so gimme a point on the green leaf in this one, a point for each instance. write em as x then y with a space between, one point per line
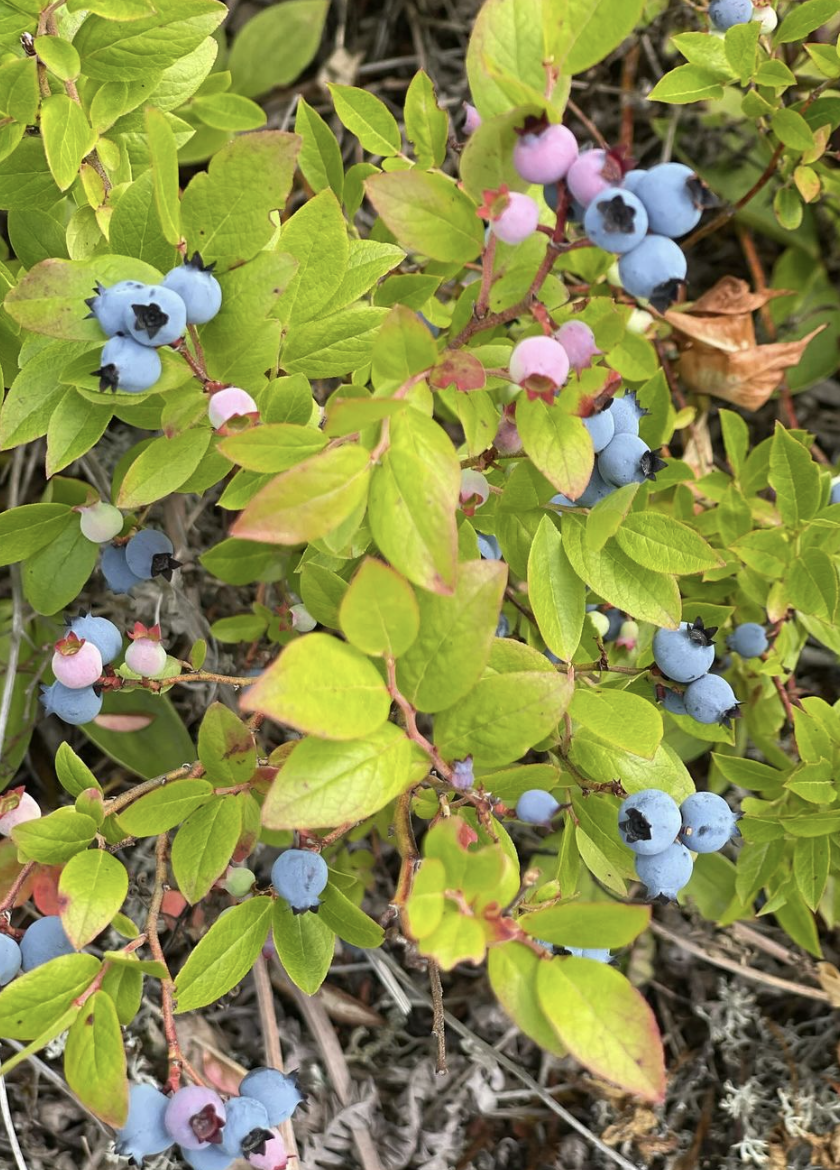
56 574
309 500
605 1023
276 45
25 530
555 593
25 178
226 747
322 592
512 969
605 519
709 53
225 211
67 136
224 956
426 124
228 111
91 890
794 477
811 857
427 214
812 584
347 921
19 89
503 716
320 155
56 1027
379 613
54 839
239 562
59 56
34 1001
792 129
273 447
123 983
558 444
163 153
165 807
367 261
305 946
316 236
204 845
368 118
73 774
334 345
324 783
75 427
649 596
413 501
618 717
686 83
741 44
659 542
803 19
130 49
162 467
582 924
324 687
456 635
142 732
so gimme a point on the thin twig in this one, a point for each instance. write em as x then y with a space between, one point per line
438 1017
271 1040
16 633
17 1152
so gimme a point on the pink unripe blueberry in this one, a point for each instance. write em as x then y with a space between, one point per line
512 216
231 403
544 154
101 522
591 173
472 119
27 809
273 1157
195 1117
628 635
475 490
302 619
76 663
146 657
540 366
507 440
578 340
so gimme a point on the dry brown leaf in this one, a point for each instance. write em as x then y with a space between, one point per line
731 295
829 978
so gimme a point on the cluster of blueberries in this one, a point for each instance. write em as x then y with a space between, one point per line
139 318
686 655
210 1132
146 555
725 14
660 832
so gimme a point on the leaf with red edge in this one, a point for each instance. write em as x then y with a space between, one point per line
45 889
605 1023
459 368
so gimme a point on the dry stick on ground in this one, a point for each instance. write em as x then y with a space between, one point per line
271 1039
378 959
16 633
17 1152
321 1030
737 968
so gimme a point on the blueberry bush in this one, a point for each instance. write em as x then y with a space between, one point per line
520 601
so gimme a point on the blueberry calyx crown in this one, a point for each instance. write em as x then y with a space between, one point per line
98 290
255 1141
533 124
149 319
651 463
109 377
635 827
617 215
198 264
727 716
701 196
664 295
699 634
207 1125
164 565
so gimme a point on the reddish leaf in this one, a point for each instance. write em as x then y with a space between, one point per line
459 368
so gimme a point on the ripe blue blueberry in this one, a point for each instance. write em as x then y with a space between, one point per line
536 807
711 700
108 305
628 459
299 876
156 317
44 940
197 287
655 270
103 634
749 640
627 414
648 821
674 198
599 954
489 547
144 1132
616 619
280 1093
564 501
74 705
674 703
597 489
707 822
834 498
149 554
195 1117
246 1127
687 653
463 776
601 429
726 13
666 873
633 178
616 220
10 959
502 626
127 366
118 577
